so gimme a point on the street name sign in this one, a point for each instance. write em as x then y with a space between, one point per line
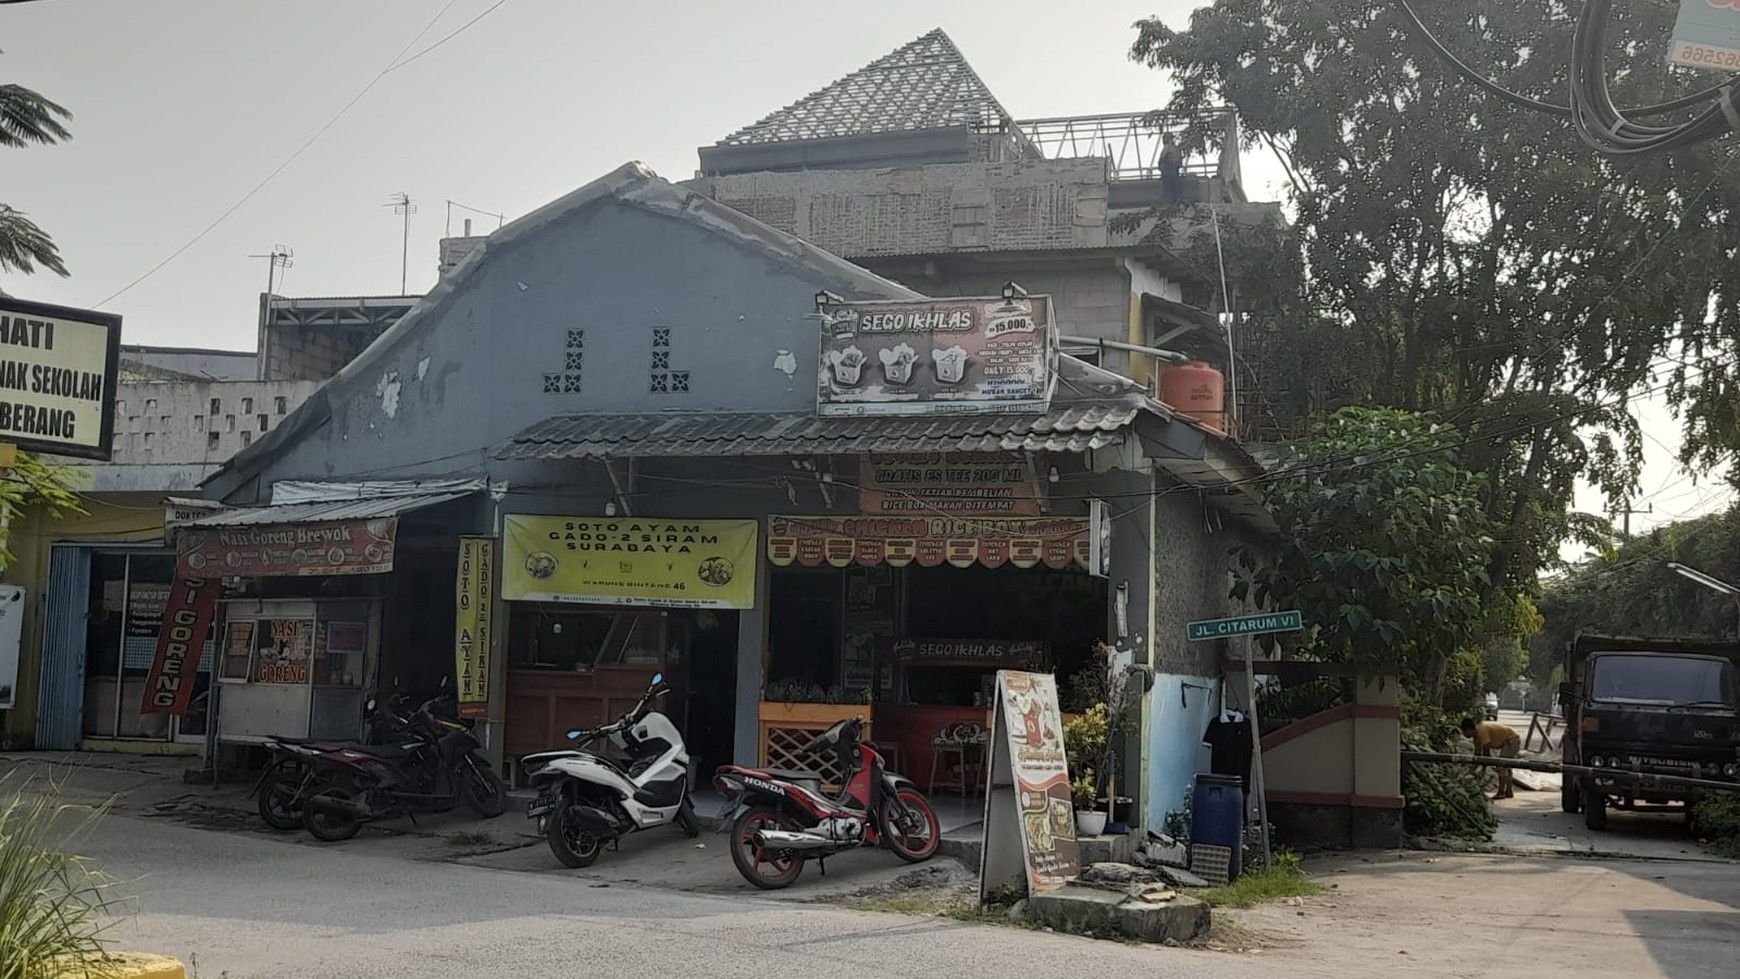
1246 625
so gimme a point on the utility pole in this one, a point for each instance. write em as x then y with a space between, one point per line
401 204
1624 513
281 257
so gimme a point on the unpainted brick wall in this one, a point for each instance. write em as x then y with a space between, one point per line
312 353
1193 564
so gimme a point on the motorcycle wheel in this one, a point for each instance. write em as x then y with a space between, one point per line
574 846
686 819
915 835
279 806
782 866
482 788
325 825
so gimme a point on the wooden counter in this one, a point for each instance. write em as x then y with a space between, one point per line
543 705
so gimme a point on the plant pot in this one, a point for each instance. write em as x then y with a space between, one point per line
1090 823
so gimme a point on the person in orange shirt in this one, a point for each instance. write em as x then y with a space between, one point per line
1491 737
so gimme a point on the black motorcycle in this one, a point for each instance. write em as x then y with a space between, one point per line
439 768
289 769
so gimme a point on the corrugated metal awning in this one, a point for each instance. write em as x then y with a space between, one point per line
1075 427
326 512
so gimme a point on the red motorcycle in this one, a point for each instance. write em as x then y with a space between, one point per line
778 819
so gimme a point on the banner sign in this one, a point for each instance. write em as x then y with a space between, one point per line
1056 542
1009 652
283 651
187 619
649 561
57 378
474 599
1707 35
944 356
1027 795
289 550
951 483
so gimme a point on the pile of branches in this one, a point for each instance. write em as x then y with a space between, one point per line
1443 801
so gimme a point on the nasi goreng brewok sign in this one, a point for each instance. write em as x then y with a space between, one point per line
650 561
57 378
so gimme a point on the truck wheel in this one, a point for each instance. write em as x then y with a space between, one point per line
1570 794
1594 807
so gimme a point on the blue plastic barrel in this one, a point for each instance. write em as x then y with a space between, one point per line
1217 811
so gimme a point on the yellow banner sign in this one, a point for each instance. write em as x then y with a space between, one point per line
474 599
651 561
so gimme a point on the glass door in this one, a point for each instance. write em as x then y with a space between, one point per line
128 596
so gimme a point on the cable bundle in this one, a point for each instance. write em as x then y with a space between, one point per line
1606 127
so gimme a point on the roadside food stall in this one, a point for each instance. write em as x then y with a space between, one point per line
937 705
598 605
300 596
938 605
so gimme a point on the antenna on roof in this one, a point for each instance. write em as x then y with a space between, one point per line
401 203
282 257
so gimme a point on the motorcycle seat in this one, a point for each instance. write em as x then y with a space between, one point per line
380 750
794 775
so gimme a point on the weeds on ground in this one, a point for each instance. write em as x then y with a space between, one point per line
468 838
1283 878
1716 820
934 904
54 906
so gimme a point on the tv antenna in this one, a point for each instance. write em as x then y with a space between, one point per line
281 257
401 203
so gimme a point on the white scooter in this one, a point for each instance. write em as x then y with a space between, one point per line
586 800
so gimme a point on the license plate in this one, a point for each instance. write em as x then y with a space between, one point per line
540 807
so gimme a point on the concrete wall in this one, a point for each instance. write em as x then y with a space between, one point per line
1016 206
578 317
169 435
1193 569
1336 777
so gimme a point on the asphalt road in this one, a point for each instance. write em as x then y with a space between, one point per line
249 906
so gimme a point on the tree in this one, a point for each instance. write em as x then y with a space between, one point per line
1632 591
28 119
1386 551
1461 256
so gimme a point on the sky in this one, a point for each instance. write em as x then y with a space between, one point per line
182 107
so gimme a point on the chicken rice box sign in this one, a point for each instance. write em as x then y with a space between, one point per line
942 356
57 378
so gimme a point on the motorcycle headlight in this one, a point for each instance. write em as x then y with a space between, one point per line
1597 762
1731 770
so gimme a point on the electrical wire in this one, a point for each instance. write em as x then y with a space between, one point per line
1604 126
461 30
281 167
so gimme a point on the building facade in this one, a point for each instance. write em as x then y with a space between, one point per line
96 583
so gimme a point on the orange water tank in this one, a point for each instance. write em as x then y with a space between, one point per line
1197 391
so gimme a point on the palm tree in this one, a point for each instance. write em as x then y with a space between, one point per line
26 119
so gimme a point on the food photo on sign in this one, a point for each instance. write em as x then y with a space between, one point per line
985 354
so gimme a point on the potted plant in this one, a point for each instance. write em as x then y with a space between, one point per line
1084 790
1101 728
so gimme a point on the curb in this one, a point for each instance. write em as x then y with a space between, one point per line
138 965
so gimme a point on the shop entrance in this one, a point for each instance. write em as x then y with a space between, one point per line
127 593
579 666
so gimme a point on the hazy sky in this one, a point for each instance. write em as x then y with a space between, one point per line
181 106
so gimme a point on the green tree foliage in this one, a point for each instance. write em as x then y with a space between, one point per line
1461 256
1633 592
1387 550
28 119
33 481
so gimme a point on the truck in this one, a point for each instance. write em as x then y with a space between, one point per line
1636 705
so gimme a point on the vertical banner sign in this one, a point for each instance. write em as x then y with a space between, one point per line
1029 817
11 633
186 621
474 603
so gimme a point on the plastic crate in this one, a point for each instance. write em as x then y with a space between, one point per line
1212 863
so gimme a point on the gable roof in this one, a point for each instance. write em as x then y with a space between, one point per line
632 184
926 84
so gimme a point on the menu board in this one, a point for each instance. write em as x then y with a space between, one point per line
1029 816
868 625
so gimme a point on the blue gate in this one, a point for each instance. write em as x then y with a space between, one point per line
60 701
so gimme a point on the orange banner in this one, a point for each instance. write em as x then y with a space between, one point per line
1055 542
